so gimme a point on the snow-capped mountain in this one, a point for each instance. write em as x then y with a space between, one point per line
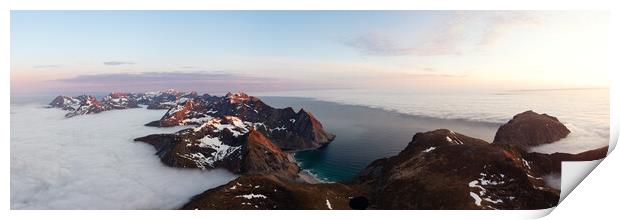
226 142
88 104
289 129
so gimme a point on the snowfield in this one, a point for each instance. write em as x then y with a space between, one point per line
92 162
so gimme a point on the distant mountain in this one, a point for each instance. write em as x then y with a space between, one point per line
289 129
88 104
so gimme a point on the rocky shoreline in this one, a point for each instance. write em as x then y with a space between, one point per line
439 169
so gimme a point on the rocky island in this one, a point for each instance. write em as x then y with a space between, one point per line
89 104
438 169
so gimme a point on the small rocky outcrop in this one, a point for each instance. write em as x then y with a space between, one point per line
529 129
272 192
66 102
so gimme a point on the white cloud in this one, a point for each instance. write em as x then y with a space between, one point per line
116 63
91 162
452 36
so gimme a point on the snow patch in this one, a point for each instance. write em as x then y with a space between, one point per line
476 197
329 205
429 149
252 196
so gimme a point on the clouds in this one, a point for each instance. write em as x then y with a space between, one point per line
150 77
117 63
201 81
46 66
92 163
454 35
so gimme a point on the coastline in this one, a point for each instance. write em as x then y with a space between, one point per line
364 134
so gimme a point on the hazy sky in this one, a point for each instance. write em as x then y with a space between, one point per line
214 51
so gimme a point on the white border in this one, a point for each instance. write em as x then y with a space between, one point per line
588 198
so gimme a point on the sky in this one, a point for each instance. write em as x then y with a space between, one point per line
216 51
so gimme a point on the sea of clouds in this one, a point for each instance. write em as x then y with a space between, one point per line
92 162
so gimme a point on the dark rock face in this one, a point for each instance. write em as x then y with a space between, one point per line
552 163
529 129
271 192
446 170
226 142
288 129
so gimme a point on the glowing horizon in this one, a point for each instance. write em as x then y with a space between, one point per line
55 51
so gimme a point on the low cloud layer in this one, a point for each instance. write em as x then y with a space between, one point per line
117 63
92 162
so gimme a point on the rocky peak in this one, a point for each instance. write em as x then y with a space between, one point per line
239 97
172 91
431 140
268 192
226 142
65 103
529 129
177 114
118 95
446 170
290 130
